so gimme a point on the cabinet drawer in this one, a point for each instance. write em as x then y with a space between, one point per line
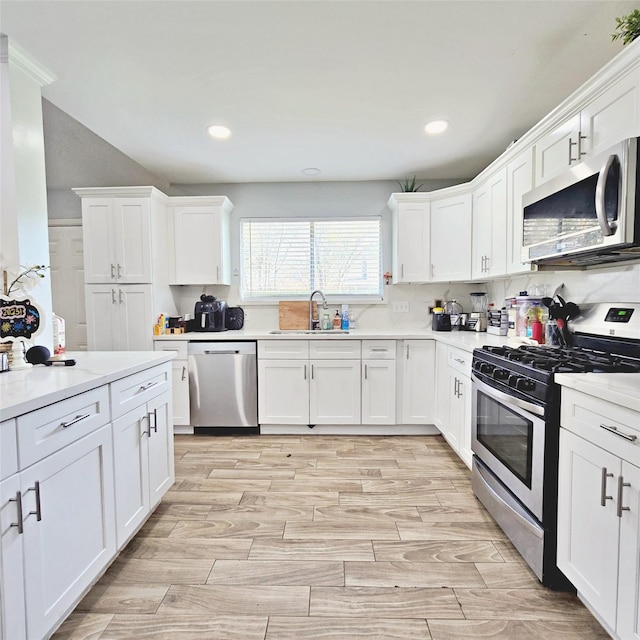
459 360
8 449
283 349
329 349
132 391
378 349
603 423
42 432
178 346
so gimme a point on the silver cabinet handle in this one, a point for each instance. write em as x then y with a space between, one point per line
305 371
365 371
621 485
433 272
460 360
144 387
142 420
603 487
77 419
408 347
571 145
486 264
312 371
119 271
153 426
18 501
113 296
580 139
383 349
617 432
38 512
402 270
455 387
113 269
119 296
217 274
184 372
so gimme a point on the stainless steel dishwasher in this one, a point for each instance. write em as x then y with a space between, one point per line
223 386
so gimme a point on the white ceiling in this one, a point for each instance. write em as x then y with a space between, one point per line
343 86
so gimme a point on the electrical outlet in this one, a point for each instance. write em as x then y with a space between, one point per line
400 307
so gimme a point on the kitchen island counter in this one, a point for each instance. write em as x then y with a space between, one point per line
25 390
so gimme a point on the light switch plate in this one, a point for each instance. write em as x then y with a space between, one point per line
400 307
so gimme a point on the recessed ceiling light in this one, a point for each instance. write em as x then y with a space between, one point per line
436 126
311 171
219 131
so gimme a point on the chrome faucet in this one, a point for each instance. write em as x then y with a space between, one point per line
324 306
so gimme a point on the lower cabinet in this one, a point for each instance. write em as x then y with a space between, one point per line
598 507
417 383
180 379
143 457
453 398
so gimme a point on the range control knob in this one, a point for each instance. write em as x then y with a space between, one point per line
522 384
485 367
500 374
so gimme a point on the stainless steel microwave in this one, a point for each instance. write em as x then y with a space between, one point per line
589 214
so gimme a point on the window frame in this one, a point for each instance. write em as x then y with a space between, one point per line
356 298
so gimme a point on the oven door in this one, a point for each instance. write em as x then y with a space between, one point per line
508 435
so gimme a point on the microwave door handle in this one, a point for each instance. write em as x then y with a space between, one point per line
601 213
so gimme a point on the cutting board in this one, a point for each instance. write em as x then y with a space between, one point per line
295 314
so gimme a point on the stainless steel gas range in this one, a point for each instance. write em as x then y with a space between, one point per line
516 423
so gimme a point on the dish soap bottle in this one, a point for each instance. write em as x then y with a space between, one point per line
336 320
344 324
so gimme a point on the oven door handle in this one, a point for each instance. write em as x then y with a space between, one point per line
506 398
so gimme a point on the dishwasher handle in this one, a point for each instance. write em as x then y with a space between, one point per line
220 353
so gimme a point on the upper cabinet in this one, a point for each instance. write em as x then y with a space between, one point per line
451 238
608 114
519 182
489 251
118 225
199 230
410 224
431 236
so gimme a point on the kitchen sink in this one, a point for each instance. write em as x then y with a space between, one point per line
310 332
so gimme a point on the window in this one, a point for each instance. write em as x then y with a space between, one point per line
289 258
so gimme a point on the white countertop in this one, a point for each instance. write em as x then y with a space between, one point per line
25 390
619 388
467 340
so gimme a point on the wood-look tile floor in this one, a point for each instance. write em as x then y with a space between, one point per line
310 537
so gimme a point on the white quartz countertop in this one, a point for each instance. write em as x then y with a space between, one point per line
25 390
619 388
467 340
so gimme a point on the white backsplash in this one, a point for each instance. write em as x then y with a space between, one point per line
613 284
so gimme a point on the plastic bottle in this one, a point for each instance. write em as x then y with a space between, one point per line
337 321
344 324
537 331
326 321
58 335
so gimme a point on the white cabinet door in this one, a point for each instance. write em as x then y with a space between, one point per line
451 238
160 447
519 182
12 605
462 411
557 150
442 387
481 231
411 240
334 393
98 234
283 391
587 477
130 434
612 116
378 392
102 313
75 538
418 381
629 579
452 429
201 243
132 226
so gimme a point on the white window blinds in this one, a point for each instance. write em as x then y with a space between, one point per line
289 258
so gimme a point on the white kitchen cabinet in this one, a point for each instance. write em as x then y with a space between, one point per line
378 382
410 237
180 379
598 507
519 182
12 606
417 392
451 238
119 317
453 398
143 462
605 118
70 536
200 240
489 217
309 382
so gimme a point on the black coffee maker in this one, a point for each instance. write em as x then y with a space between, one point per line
209 314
